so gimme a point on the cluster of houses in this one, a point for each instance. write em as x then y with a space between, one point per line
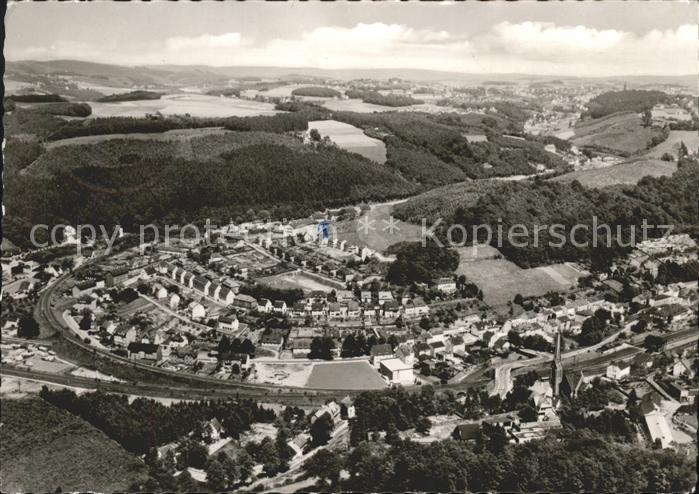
223 292
370 306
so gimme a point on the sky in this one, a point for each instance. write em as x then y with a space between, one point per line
562 38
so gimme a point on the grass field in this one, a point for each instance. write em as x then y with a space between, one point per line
345 375
501 279
355 105
196 105
618 133
351 138
43 448
372 229
623 173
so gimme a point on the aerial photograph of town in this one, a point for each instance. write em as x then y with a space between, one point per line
292 247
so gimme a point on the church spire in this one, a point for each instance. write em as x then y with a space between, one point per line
557 368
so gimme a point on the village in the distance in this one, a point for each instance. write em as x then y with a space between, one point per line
315 327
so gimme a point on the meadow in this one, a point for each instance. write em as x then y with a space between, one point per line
500 279
623 173
351 138
620 133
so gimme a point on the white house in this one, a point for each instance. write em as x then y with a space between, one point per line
197 310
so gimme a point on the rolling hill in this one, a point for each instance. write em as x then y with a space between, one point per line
619 133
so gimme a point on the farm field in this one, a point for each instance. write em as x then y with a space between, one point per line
295 280
43 448
351 138
623 173
501 279
617 133
345 375
378 236
282 373
197 105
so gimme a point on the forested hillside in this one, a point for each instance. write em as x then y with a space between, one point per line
660 201
104 184
634 100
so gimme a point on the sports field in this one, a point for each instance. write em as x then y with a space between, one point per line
295 280
345 375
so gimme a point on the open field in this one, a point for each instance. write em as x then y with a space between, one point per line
620 133
295 280
623 173
372 229
345 375
672 144
351 138
501 279
196 105
43 448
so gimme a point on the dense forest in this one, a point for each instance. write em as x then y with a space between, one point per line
153 184
316 92
659 201
579 461
634 100
376 98
37 98
144 423
416 263
130 96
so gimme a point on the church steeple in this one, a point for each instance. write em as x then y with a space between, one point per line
557 369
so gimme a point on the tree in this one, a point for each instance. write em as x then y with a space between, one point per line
27 327
528 414
86 321
186 483
315 135
423 425
683 151
245 465
326 465
653 343
647 118
216 476
321 430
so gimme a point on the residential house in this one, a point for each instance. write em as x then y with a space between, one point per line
415 308
228 323
279 307
201 284
335 310
353 310
228 297
197 310
385 296
391 309
144 351
264 305
380 352
446 285
366 297
317 309
174 301
467 432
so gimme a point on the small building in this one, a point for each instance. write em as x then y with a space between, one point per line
244 302
467 432
397 371
174 301
618 370
228 297
264 305
279 307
